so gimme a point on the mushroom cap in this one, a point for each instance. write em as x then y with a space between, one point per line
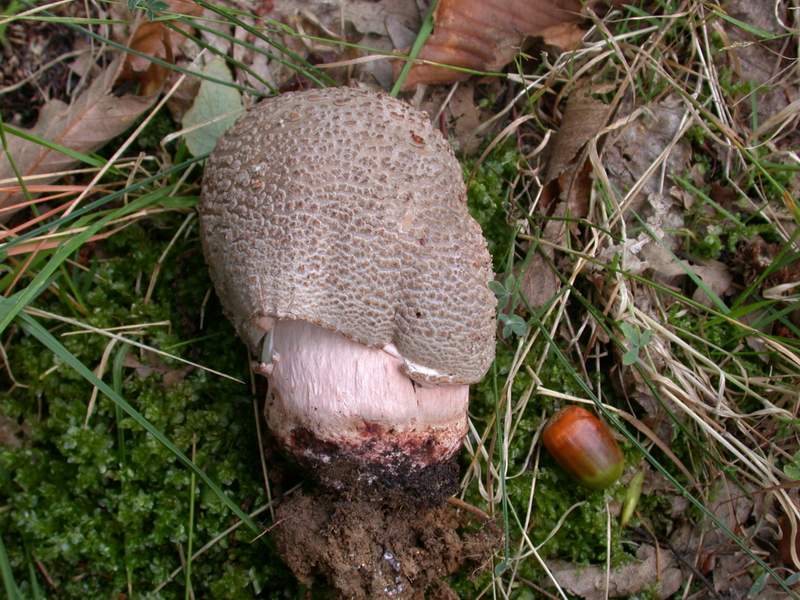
345 208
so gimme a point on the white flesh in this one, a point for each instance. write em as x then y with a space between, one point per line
358 397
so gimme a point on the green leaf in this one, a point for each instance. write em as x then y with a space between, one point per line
629 331
500 291
758 586
631 356
501 568
497 287
513 324
792 469
632 495
215 109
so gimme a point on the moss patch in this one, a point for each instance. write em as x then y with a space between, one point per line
104 507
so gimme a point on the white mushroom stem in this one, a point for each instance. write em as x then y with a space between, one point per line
332 396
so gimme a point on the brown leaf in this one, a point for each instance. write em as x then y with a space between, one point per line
568 173
486 34
565 36
584 117
463 118
766 63
378 17
633 149
538 283
654 568
12 434
366 16
716 276
629 155
153 364
92 119
156 39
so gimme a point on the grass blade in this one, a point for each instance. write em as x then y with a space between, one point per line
67 248
424 33
12 591
78 156
34 328
192 485
100 202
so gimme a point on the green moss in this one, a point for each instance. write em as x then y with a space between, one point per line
488 194
106 504
582 535
157 129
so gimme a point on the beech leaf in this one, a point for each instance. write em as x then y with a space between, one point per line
485 36
155 39
93 118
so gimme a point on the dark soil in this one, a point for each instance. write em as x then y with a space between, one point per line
380 549
28 46
336 468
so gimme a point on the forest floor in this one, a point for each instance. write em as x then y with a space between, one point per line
635 170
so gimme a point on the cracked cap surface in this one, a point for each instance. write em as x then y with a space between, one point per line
347 209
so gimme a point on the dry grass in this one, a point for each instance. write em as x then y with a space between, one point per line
735 422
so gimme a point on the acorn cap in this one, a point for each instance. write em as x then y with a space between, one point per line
346 209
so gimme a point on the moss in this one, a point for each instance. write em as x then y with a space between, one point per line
157 129
104 504
582 536
488 193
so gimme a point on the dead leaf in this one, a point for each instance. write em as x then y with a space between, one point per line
12 433
584 117
93 118
485 36
153 364
767 63
259 74
379 17
564 36
366 16
728 567
464 118
568 175
637 145
653 569
628 156
155 39
538 283
716 276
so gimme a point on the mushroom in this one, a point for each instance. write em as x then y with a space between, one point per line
335 227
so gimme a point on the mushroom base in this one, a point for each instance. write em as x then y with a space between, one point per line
350 414
367 475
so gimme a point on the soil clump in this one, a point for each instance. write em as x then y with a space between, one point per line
389 548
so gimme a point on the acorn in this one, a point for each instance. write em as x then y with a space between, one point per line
584 447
